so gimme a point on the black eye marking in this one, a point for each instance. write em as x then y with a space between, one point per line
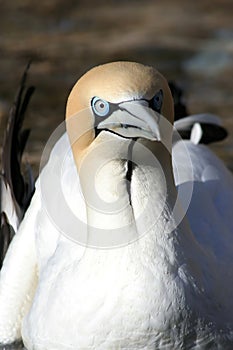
102 109
157 101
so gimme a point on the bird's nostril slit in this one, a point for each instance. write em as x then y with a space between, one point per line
126 126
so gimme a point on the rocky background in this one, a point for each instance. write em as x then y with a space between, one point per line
188 41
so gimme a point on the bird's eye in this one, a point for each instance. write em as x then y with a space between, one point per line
157 101
100 107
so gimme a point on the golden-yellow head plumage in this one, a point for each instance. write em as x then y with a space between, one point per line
117 84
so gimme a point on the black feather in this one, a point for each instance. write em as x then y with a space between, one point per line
7 233
14 142
210 133
180 108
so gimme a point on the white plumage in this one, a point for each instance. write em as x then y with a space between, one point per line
169 288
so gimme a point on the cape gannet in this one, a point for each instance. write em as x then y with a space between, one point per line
137 276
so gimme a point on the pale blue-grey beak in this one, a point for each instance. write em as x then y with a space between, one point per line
133 119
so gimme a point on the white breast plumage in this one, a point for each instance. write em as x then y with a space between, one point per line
119 265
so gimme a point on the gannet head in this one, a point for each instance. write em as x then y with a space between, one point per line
124 98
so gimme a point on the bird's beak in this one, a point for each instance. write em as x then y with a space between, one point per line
133 119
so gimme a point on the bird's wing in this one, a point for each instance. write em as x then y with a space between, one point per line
210 184
34 241
200 128
18 276
9 219
18 272
15 189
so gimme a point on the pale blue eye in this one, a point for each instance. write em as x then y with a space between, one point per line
100 107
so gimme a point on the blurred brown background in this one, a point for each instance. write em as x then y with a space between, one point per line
188 41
